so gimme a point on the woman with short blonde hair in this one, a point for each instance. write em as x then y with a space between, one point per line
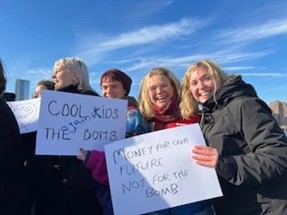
78 71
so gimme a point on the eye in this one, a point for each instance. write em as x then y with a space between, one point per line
164 86
58 71
207 78
193 83
152 88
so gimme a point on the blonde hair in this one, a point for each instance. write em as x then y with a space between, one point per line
145 104
77 65
188 104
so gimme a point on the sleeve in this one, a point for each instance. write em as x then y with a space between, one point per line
136 123
97 164
266 162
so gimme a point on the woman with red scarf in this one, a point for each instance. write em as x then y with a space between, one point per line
159 104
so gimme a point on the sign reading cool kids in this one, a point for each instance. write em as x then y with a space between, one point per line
68 122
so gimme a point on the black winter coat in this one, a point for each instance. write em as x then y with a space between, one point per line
252 167
11 163
71 169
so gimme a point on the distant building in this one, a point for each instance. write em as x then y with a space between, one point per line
22 89
279 110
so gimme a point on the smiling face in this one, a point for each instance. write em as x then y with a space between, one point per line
160 90
201 84
63 77
112 88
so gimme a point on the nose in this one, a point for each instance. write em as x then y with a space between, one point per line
158 89
201 85
108 89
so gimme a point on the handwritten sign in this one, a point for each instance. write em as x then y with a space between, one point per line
156 171
26 113
68 122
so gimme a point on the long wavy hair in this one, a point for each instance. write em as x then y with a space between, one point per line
188 104
77 65
145 104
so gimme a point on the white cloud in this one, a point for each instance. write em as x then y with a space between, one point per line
234 68
147 8
184 61
244 68
145 35
266 74
259 31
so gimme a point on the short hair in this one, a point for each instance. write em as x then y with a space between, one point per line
77 65
145 104
50 85
3 79
188 104
118 75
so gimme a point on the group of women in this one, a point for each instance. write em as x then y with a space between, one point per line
245 145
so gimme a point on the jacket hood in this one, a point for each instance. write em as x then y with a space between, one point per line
236 87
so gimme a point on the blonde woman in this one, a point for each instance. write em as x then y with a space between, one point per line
77 190
244 142
159 103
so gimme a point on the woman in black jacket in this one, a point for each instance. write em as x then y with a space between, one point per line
42 179
11 158
244 142
77 191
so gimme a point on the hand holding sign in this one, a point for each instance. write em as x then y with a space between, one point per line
70 121
156 171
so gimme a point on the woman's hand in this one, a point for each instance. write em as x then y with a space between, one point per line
205 156
83 154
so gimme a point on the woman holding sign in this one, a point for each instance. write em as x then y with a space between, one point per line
11 158
114 84
244 142
159 103
77 190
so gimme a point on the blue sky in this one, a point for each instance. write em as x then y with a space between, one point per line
244 37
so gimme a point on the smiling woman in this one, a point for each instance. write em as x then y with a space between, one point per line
245 145
159 103
115 84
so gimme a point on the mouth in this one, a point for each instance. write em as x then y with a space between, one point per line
205 94
161 98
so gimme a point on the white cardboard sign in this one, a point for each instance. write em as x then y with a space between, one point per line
26 113
69 121
155 171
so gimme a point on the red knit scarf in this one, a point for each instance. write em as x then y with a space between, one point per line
166 114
